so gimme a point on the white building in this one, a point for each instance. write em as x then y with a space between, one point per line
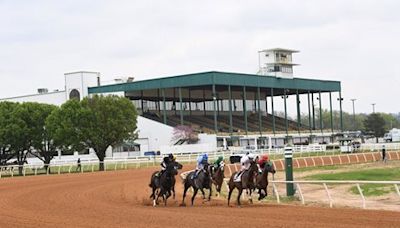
276 62
152 135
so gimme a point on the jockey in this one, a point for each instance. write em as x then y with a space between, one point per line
245 162
202 161
262 161
165 162
219 162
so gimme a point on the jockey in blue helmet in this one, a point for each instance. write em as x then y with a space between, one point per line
202 161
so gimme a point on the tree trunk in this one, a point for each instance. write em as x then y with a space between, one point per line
20 168
101 155
377 139
47 163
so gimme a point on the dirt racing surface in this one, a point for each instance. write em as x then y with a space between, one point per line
120 199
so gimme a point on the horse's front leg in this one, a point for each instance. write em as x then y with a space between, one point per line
202 192
249 196
209 195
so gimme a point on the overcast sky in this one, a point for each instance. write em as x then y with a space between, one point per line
355 42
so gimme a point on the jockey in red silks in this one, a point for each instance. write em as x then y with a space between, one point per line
264 159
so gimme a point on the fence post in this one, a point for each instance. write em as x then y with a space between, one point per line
397 189
36 170
276 193
362 195
301 194
329 195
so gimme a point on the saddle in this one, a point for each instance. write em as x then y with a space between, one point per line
238 177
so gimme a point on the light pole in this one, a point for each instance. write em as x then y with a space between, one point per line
373 107
354 114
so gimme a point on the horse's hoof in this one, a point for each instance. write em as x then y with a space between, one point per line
182 205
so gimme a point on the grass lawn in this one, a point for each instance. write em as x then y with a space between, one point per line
383 174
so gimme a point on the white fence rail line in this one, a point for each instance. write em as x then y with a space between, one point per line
325 182
325 185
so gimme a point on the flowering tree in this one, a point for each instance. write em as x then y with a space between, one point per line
186 133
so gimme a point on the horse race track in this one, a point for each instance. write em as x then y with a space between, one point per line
120 199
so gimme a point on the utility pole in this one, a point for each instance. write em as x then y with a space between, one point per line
354 115
373 107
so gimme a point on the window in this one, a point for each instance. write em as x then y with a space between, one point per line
74 94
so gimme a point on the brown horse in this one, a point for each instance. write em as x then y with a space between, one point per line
247 183
217 177
262 180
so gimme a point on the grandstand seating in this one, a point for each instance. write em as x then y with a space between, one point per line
205 123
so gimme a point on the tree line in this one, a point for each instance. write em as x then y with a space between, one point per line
350 122
41 130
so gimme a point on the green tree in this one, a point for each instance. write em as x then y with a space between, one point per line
41 143
375 123
98 123
7 126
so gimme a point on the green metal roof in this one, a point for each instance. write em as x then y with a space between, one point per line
221 78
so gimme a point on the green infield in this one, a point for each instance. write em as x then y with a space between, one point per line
376 174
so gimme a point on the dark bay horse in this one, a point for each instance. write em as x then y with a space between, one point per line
201 182
217 177
165 183
262 180
247 182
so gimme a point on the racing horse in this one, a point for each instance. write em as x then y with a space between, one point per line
201 182
262 180
217 177
163 184
246 183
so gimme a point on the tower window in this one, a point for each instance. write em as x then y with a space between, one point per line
74 94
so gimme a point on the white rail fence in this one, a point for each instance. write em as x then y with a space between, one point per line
325 184
90 164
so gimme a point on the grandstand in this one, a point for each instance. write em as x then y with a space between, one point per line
224 103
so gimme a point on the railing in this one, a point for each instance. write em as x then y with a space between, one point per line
325 184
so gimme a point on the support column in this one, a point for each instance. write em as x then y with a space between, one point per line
141 101
298 111
266 103
164 107
180 104
313 111
158 102
190 102
259 110
341 112
214 96
320 113
230 110
309 113
331 112
174 101
204 102
273 111
286 120
245 109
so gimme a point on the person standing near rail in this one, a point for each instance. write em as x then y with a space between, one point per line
384 158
